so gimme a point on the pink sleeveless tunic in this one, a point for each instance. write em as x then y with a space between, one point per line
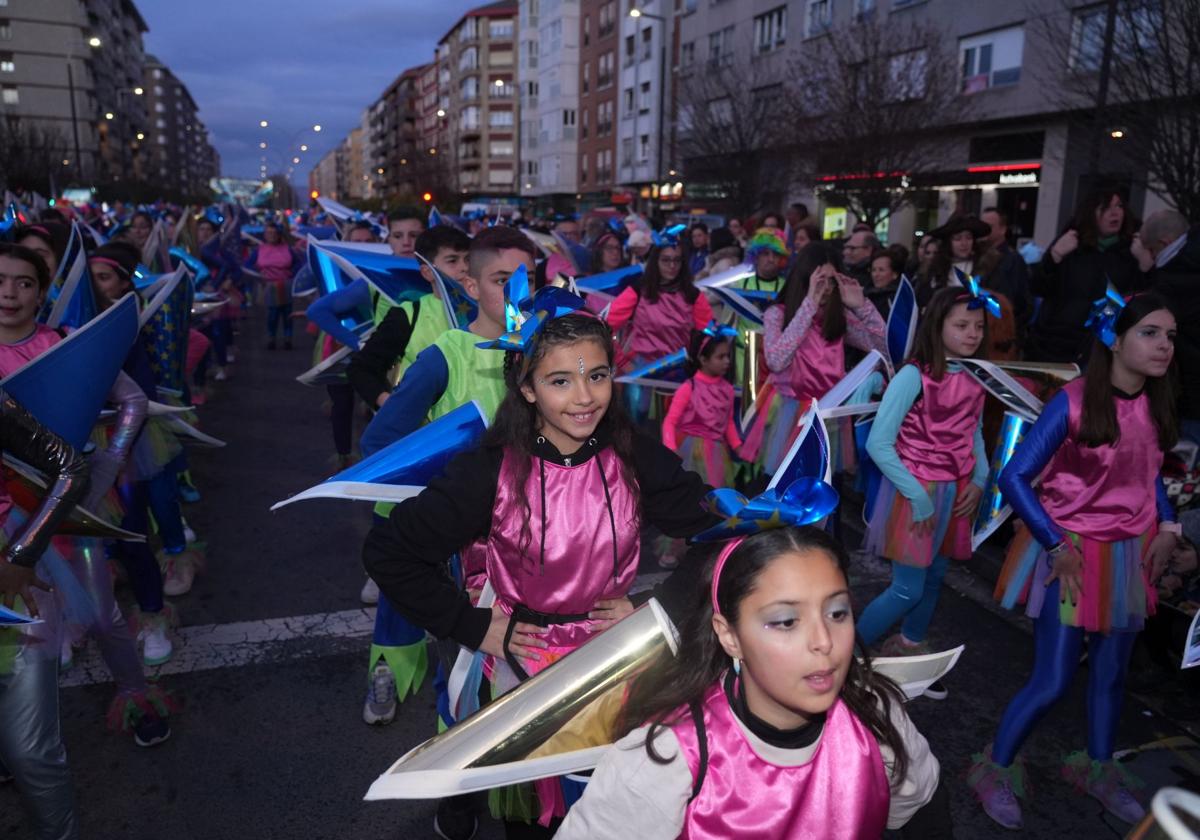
817 366
660 327
574 563
937 438
13 356
841 793
1105 492
709 410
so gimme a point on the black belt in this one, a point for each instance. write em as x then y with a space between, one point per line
523 613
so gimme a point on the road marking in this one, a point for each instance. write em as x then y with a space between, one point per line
204 647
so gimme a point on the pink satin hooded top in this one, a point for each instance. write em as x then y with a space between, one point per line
937 438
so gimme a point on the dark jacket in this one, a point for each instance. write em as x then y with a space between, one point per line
1179 282
1010 277
1068 290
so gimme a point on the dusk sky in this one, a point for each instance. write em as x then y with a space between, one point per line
294 63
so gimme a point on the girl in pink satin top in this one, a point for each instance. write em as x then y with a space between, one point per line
765 724
699 426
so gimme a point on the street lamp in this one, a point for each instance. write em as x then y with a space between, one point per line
93 41
316 128
303 147
108 115
263 123
295 160
262 145
137 91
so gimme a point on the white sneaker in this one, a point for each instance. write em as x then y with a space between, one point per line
179 574
221 375
157 646
189 535
370 592
380 707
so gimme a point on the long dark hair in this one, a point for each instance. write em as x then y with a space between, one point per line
1096 201
652 281
928 352
1098 423
811 257
670 684
515 427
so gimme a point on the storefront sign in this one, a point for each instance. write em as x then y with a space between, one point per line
1014 178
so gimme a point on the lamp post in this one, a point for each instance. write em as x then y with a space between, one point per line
95 43
638 14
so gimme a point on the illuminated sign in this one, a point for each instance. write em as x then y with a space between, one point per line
1018 178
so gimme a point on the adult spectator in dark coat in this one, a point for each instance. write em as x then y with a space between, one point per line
1091 253
1010 274
1176 275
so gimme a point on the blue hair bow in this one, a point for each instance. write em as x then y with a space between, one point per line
617 227
981 298
668 237
526 314
10 219
715 330
805 501
1103 318
213 215
142 277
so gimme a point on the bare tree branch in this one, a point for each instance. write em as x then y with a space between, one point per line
29 152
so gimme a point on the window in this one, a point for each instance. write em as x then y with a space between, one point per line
500 175
644 147
162 139
608 19
864 9
820 16
583 169
720 46
159 107
583 124
1133 30
630 46
628 98
157 73
604 74
469 60
7 65
770 30
500 148
687 54
158 90
721 111
908 76
991 60
604 119
587 76
5 30
644 99
647 44
9 95
500 29
531 54
568 117
587 30
160 123
470 29
468 89
500 119
468 120
627 152
500 58
501 91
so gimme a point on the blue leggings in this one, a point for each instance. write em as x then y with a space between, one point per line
1055 658
912 596
277 315
145 576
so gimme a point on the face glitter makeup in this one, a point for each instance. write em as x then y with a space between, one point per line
581 369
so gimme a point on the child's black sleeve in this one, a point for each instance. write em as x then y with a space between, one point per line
672 501
368 368
407 553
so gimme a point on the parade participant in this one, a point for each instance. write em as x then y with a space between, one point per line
48 240
886 268
225 275
558 452
404 331
1095 543
699 426
137 705
607 254
31 746
147 484
767 723
661 311
276 260
405 224
927 440
806 330
452 371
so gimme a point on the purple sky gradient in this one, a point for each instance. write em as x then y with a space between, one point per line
295 63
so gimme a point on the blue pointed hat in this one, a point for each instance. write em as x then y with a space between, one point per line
404 468
168 335
200 272
65 387
902 323
609 283
396 278
71 303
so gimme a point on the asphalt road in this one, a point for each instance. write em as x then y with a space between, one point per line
271 743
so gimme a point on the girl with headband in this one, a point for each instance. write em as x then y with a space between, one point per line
927 440
661 311
769 723
555 496
1098 533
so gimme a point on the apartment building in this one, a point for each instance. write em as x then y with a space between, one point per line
643 112
549 38
175 144
476 129
323 178
1018 150
395 129
75 67
598 92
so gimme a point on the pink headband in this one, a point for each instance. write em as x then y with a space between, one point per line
719 566
112 262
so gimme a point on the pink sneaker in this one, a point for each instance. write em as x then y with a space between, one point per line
1107 782
998 788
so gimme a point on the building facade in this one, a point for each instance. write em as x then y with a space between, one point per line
598 92
549 34
395 135
642 105
478 130
175 145
1019 149
323 178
